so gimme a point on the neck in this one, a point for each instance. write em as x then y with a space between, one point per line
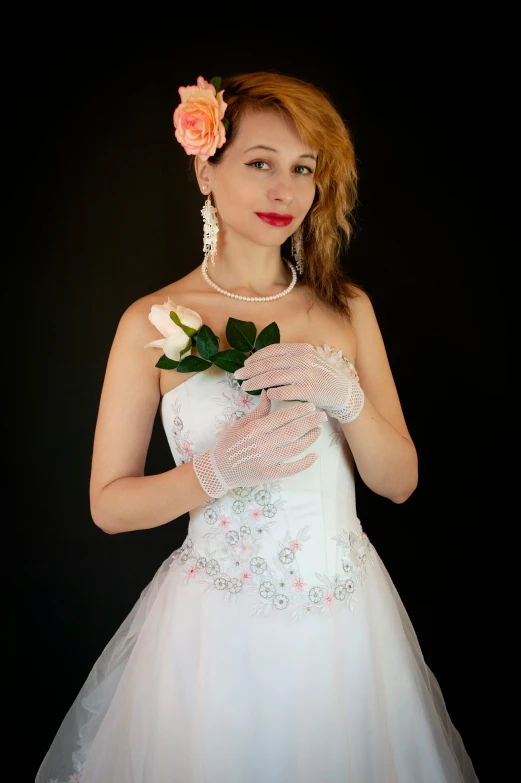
250 270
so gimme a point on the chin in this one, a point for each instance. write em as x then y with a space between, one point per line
272 238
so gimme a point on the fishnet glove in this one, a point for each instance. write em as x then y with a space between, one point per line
251 450
298 372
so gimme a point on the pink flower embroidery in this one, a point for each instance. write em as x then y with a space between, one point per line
224 522
245 401
192 572
75 778
186 448
295 545
246 576
329 599
256 513
298 583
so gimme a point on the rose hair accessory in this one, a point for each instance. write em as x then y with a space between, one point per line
199 121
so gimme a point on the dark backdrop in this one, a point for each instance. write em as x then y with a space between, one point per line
107 212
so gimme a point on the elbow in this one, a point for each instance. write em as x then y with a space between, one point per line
100 513
102 521
104 525
406 491
403 497
107 529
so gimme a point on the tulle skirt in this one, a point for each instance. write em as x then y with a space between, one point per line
192 689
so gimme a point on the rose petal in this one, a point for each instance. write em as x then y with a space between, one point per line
156 343
177 344
159 316
197 119
204 85
188 317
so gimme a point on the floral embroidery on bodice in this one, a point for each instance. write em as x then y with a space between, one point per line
295 544
182 447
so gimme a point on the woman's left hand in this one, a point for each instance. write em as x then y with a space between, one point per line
295 371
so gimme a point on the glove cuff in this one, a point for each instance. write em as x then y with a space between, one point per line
352 408
206 471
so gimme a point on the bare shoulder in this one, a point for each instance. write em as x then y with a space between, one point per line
134 320
369 342
363 318
360 303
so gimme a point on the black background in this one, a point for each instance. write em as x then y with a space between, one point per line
106 212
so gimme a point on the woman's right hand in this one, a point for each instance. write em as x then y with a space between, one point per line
253 448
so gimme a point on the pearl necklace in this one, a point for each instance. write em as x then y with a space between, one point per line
204 270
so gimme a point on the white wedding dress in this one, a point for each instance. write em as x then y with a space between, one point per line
271 647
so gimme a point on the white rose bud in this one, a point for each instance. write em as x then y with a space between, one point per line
175 343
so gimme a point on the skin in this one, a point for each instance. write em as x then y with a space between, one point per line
249 263
249 180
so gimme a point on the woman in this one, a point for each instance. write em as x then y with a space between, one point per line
272 645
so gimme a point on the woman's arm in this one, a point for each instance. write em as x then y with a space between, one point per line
122 498
383 450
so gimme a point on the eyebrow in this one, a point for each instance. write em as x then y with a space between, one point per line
271 149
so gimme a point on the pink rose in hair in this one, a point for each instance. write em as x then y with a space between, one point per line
198 119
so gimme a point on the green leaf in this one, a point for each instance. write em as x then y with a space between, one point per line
241 334
269 335
207 343
193 364
216 81
188 330
226 123
165 363
229 360
255 392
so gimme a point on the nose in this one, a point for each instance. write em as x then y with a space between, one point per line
281 189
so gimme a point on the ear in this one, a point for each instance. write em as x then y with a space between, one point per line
203 172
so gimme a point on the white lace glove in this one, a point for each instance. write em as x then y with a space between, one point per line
298 372
252 449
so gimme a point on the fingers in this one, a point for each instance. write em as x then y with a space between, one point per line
257 366
271 378
289 392
262 409
290 468
297 350
295 429
297 446
281 417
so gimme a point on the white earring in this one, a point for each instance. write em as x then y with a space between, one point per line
297 248
210 229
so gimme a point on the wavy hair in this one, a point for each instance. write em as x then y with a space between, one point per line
327 228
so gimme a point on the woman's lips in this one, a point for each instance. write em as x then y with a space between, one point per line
274 219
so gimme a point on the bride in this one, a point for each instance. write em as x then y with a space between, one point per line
296 660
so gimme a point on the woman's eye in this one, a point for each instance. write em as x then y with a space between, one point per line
263 165
258 164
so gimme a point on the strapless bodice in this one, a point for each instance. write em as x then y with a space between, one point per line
296 539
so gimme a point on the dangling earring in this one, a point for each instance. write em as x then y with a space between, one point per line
210 229
297 248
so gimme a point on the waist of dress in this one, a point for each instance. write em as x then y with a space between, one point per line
285 555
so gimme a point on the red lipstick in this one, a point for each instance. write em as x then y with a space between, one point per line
274 219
